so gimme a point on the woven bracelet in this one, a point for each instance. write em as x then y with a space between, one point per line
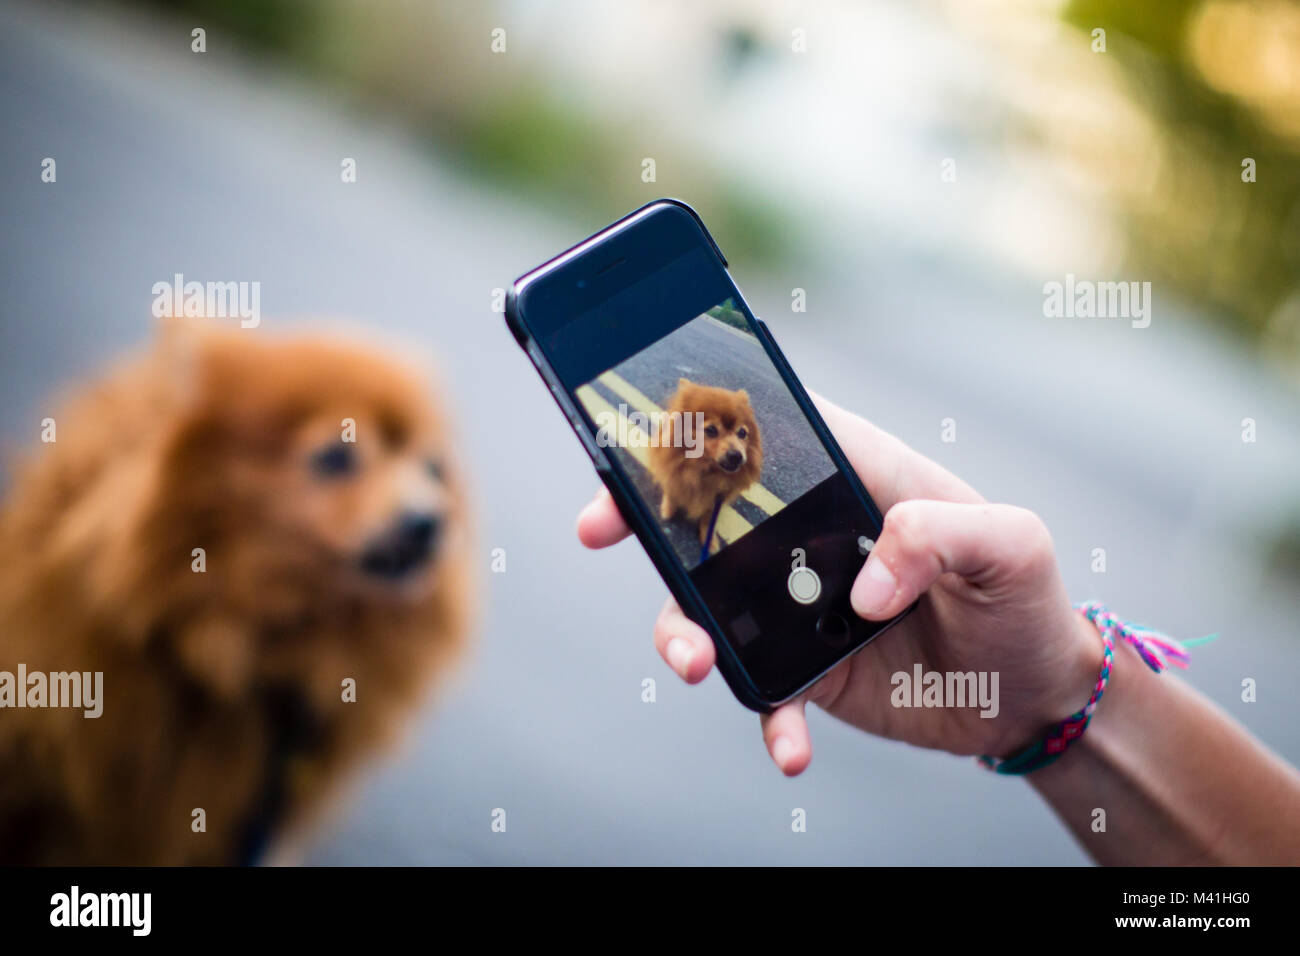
1157 650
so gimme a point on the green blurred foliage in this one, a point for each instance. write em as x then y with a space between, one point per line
566 159
280 25
507 128
1231 246
1192 224
728 314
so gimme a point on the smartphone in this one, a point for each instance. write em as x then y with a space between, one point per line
713 451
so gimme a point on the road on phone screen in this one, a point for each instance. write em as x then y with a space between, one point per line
564 717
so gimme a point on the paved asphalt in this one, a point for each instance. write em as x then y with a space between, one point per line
169 162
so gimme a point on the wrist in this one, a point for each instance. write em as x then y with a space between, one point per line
1114 718
1154 649
1115 743
1081 665
1114 735
1076 667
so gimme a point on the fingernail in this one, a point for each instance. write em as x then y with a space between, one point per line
679 655
782 751
874 588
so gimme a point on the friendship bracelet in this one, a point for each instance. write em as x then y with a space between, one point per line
1157 650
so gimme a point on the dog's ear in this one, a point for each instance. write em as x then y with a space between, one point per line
177 350
666 423
684 383
741 393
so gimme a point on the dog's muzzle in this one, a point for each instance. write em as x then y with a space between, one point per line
408 545
731 461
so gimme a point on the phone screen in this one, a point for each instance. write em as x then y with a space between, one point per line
683 391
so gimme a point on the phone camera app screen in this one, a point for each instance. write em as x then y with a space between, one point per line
699 423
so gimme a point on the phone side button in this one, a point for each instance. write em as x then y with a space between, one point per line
594 451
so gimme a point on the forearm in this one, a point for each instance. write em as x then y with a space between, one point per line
1179 780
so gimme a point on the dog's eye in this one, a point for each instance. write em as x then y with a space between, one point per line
434 468
711 431
334 461
742 432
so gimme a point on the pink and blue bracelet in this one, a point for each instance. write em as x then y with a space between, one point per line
1157 650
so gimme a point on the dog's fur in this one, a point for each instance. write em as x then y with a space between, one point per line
732 458
223 688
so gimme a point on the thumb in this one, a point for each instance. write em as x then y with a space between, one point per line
921 540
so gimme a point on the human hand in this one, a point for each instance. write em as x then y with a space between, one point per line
992 599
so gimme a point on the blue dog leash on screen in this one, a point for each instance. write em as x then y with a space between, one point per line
713 523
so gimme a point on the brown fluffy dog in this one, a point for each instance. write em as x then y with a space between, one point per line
326 564
732 456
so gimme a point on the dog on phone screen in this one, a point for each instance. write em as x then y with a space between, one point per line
696 486
261 544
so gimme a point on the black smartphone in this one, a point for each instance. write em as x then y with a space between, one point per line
709 444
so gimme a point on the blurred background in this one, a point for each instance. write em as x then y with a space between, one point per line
919 168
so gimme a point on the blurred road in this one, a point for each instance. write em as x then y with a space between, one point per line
1124 439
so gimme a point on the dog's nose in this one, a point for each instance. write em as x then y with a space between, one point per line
405 546
418 533
732 459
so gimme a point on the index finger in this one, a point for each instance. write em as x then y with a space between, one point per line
600 524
